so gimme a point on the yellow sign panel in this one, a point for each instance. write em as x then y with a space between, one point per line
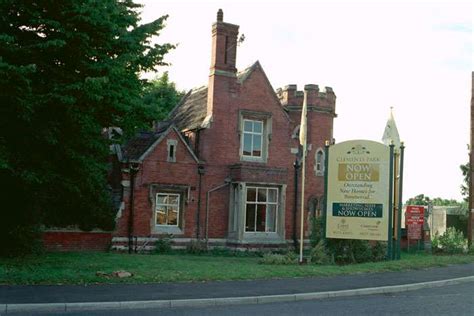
358 190
358 172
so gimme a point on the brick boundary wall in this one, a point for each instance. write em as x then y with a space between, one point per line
77 241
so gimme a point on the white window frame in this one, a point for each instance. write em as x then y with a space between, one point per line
256 202
266 119
178 206
253 134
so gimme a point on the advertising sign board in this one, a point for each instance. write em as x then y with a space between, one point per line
358 190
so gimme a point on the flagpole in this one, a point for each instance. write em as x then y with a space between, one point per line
302 138
303 169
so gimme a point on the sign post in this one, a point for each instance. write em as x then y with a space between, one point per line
400 203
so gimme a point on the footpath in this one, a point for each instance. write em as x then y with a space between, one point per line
31 298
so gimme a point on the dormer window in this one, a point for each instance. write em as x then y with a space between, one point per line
172 144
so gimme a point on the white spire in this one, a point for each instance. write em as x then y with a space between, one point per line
390 133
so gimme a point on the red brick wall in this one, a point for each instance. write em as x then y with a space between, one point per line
76 241
156 170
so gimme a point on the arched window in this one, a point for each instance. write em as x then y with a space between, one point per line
319 162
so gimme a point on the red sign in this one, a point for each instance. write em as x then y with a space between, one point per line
414 217
414 231
415 214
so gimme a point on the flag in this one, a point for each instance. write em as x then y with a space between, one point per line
303 126
390 134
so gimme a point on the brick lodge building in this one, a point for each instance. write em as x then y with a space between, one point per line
221 169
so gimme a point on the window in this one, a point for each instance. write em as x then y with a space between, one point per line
167 209
172 144
257 213
319 162
261 209
252 139
255 131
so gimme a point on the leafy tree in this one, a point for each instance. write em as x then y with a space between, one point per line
466 172
422 199
67 69
161 96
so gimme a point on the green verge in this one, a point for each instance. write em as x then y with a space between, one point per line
81 268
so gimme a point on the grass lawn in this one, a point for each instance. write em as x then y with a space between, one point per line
81 268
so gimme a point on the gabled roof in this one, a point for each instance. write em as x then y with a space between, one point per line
140 146
137 145
191 111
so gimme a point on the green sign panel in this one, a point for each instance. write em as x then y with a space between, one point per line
357 210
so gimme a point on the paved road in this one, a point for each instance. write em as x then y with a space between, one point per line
448 300
174 291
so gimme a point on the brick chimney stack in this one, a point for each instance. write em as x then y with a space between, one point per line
223 74
224 45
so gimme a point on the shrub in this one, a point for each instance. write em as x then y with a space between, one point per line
379 251
470 251
274 258
362 251
21 240
451 242
163 244
346 251
316 232
319 254
196 247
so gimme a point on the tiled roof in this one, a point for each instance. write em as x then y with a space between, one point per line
190 113
138 145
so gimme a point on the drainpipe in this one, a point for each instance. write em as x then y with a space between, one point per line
198 216
226 182
133 167
296 165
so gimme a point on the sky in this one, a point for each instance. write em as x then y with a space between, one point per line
415 56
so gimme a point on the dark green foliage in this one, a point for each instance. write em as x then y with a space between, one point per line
226 252
319 254
196 247
68 69
347 251
163 244
316 233
466 172
379 251
160 95
280 259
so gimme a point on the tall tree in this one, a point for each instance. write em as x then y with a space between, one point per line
466 172
161 96
67 69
